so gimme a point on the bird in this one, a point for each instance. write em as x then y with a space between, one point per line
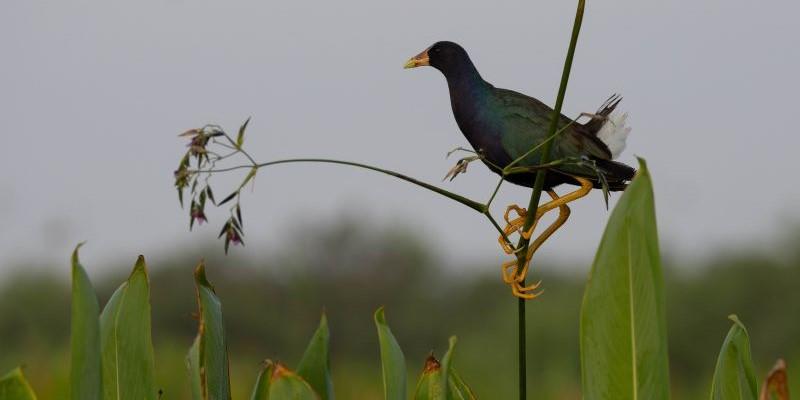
503 125
507 128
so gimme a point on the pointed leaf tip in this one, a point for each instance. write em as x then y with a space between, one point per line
240 136
314 366
642 166
139 267
200 275
13 385
379 315
75 258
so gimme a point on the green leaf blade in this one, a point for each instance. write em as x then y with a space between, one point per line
314 366
447 362
393 363
127 358
211 356
193 369
458 389
261 388
734 378
623 325
14 386
85 377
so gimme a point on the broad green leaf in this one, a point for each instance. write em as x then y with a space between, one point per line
261 388
127 348
623 333
314 367
287 385
393 362
13 386
193 368
85 379
212 351
734 378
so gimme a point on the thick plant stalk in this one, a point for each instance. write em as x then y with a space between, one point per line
536 195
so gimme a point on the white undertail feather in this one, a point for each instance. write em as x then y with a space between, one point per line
614 133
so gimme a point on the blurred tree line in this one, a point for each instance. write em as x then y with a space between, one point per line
272 306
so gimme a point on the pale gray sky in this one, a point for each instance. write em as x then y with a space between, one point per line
93 93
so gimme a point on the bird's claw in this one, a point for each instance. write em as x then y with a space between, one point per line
522 291
511 273
516 226
460 167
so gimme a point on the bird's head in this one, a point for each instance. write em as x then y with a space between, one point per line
444 56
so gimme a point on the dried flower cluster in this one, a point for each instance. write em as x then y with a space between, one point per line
207 146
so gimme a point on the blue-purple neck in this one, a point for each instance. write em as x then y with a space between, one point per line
470 99
463 79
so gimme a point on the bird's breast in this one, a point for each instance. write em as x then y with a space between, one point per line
482 130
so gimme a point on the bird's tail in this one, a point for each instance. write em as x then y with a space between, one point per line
614 133
610 129
616 173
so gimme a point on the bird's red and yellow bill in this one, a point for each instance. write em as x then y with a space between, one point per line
418 60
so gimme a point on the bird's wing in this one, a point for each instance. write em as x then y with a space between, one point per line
525 122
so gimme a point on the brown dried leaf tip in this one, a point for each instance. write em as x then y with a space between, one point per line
431 364
776 383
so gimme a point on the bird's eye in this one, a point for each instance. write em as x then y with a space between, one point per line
437 49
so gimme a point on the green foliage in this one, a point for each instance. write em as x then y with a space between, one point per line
314 367
13 386
623 326
193 368
734 378
85 378
437 376
429 386
127 351
261 388
393 362
622 335
287 385
208 357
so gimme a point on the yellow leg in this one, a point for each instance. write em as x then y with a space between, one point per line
515 225
563 215
586 187
512 275
508 266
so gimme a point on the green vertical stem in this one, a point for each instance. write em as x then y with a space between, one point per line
536 195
